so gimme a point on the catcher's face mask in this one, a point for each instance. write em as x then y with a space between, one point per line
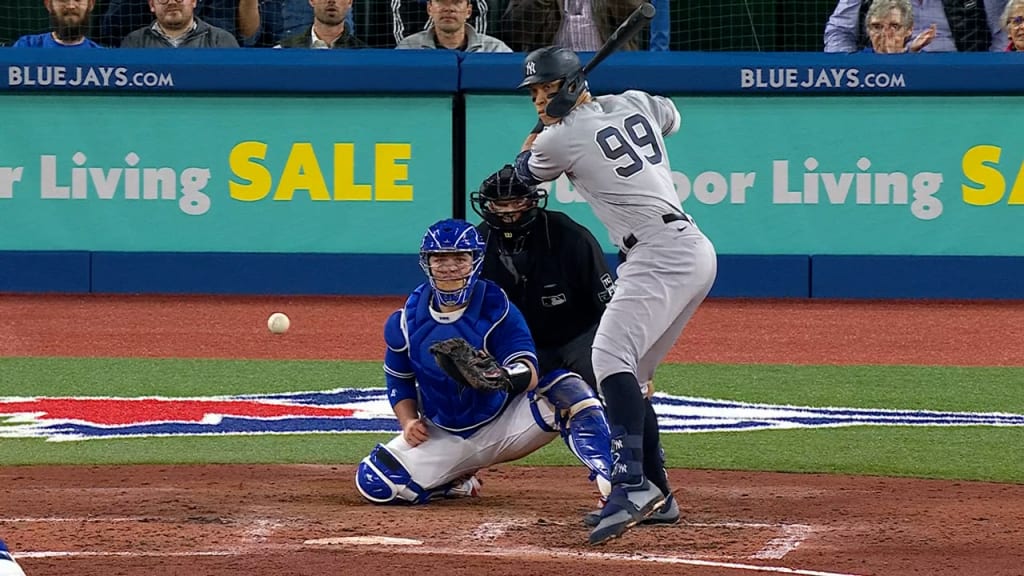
450 270
451 256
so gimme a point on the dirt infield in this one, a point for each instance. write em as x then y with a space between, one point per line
260 520
722 331
282 520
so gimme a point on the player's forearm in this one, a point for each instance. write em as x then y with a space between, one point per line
248 18
406 411
528 143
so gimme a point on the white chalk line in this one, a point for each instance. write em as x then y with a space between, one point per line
775 549
490 531
80 519
516 552
261 528
793 535
520 552
135 554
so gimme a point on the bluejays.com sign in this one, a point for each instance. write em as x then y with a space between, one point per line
86 77
819 78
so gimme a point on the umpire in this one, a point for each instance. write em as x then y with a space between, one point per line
551 267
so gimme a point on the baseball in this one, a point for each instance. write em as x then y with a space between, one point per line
278 323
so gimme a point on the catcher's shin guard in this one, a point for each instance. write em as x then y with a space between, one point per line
8 567
581 421
382 479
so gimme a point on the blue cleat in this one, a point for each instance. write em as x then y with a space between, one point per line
627 506
667 514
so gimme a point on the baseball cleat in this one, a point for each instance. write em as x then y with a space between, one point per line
667 514
464 488
627 506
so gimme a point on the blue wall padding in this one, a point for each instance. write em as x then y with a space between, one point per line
756 276
934 277
57 271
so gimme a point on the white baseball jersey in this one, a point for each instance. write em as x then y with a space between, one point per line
613 150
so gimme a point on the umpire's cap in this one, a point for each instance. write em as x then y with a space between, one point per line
549 64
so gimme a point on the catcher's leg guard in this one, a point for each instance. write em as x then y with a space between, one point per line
382 479
581 421
8 567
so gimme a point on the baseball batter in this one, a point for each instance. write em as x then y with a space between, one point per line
452 425
612 149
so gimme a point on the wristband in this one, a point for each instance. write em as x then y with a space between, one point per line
519 376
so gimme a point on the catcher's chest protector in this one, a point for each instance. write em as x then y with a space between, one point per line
443 400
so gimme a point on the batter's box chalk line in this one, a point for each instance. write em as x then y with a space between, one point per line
792 535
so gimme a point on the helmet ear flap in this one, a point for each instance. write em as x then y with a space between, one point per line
568 93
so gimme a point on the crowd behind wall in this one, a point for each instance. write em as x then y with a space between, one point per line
696 25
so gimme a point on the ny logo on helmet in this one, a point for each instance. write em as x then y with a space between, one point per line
531 68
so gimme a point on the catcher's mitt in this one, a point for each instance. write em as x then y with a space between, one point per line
469 366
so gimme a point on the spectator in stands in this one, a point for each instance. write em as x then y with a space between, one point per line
280 19
176 26
329 28
579 25
69 20
451 31
971 26
409 17
1013 20
241 18
889 23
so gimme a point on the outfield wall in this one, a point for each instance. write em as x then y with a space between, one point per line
287 172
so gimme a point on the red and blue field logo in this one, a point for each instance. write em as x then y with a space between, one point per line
347 410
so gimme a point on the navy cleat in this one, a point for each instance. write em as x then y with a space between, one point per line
627 506
667 514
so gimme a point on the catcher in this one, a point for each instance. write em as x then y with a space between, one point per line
461 375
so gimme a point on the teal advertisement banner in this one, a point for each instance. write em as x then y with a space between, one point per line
232 174
814 175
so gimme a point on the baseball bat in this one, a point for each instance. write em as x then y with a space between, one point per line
640 17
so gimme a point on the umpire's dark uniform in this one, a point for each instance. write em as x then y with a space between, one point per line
556 274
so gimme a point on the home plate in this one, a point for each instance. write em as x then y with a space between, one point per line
364 541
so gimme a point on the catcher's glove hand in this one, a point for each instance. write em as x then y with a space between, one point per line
469 366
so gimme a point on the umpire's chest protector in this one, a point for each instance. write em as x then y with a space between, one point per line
448 404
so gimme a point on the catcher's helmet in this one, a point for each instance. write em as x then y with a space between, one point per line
521 201
452 237
555 63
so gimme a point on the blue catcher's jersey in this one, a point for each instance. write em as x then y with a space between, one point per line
490 323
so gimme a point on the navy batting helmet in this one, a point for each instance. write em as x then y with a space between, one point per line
555 63
549 64
507 203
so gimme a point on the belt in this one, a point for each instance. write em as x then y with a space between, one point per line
629 241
